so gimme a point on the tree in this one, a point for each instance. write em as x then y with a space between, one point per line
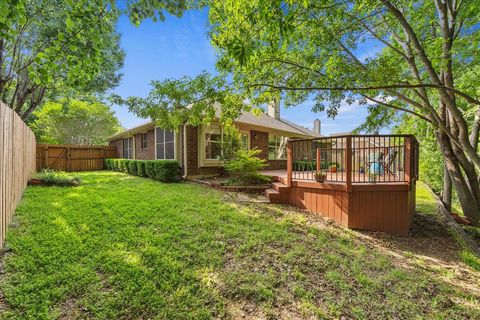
74 122
51 48
312 48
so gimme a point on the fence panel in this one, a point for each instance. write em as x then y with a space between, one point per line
73 157
17 163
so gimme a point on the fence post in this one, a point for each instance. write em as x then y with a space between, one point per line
289 163
348 165
45 165
68 159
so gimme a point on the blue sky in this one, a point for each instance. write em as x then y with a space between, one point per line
180 46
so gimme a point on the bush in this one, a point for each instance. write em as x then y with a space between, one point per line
150 169
167 170
141 169
245 167
132 167
58 178
161 170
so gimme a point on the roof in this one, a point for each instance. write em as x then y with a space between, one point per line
248 118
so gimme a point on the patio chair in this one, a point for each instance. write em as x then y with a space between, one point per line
374 163
389 161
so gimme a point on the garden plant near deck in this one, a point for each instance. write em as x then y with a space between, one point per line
125 247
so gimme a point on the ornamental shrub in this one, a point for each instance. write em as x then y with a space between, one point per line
150 169
245 168
141 169
132 167
167 170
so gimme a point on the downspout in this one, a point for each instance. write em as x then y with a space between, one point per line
185 173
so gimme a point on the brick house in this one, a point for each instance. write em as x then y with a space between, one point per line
197 149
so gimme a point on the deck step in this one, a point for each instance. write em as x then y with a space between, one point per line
272 194
280 187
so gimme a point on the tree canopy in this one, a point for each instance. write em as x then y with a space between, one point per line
75 122
51 48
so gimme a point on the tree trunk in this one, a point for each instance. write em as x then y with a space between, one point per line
447 189
468 200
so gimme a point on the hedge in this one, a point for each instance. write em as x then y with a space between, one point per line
311 165
161 170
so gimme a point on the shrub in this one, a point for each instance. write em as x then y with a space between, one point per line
150 169
141 169
167 170
161 170
58 178
124 165
246 166
132 167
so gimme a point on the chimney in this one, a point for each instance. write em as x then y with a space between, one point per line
273 109
317 127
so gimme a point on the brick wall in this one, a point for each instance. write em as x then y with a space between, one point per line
192 155
149 152
119 145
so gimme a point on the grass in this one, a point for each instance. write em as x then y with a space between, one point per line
123 247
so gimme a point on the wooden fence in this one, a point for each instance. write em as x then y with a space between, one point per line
73 157
17 163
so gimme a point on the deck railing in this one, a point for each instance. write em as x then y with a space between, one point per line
354 159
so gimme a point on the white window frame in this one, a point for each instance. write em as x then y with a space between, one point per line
174 143
131 154
276 146
247 133
141 141
203 161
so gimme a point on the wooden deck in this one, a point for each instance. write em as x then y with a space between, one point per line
385 203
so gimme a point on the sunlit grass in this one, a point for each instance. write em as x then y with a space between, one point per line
123 247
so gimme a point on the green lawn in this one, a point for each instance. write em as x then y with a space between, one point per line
123 247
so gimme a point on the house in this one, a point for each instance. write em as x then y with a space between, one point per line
198 148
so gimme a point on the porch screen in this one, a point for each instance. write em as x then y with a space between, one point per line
128 148
165 140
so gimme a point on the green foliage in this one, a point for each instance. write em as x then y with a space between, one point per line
161 170
303 165
133 167
120 247
141 171
150 169
74 122
57 48
58 178
246 166
167 170
201 99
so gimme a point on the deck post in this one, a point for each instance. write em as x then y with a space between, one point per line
289 163
319 166
408 160
348 165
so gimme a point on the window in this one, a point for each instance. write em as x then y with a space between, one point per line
277 147
213 142
244 141
165 144
128 148
144 141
